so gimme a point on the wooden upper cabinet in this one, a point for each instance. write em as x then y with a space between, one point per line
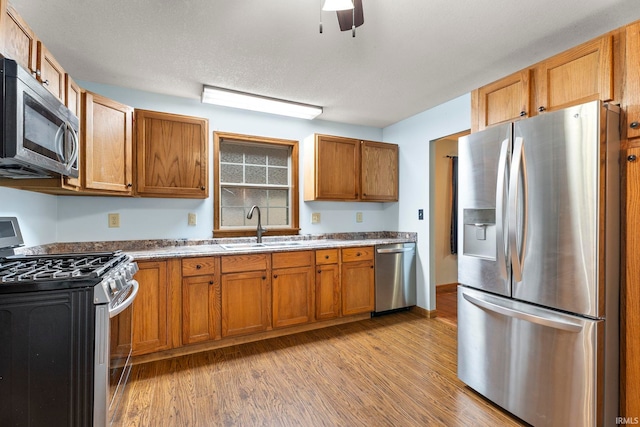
502 101
18 40
379 167
332 169
581 74
348 169
172 155
50 73
632 81
107 159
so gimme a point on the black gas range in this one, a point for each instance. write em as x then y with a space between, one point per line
57 364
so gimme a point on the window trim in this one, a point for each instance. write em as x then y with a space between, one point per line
295 181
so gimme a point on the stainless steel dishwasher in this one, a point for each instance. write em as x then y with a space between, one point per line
395 277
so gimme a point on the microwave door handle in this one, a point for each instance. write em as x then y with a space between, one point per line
75 147
59 142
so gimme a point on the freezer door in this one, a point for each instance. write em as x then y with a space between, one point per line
557 210
543 366
483 167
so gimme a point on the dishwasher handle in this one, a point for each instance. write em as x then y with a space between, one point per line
393 250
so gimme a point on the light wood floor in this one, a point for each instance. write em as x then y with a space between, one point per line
393 370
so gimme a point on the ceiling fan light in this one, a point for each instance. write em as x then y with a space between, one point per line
333 5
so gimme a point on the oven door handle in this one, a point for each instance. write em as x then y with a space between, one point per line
113 312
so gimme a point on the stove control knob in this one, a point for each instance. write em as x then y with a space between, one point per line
113 285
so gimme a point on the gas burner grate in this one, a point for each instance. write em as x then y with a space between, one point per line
38 268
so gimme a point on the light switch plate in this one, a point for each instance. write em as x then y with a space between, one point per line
192 219
315 218
358 216
114 220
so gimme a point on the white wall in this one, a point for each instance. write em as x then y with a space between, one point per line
37 214
414 135
85 218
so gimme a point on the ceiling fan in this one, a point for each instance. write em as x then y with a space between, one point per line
349 12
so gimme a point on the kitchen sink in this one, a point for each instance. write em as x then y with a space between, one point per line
256 246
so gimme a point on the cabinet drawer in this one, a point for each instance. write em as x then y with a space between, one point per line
240 263
198 266
291 259
363 253
327 256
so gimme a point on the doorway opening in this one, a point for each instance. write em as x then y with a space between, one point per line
444 258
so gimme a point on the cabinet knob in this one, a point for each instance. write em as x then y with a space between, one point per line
326 257
46 82
541 109
198 267
634 125
523 113
211 282
264 277
129 185
38 73
632 158
319 271
202 187
358 254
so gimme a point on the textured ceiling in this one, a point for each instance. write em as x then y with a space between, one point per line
409 55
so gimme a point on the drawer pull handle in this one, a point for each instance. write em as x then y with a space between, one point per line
634 125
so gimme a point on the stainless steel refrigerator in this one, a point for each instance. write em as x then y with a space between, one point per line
538 265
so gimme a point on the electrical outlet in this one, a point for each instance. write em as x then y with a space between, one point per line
358 216
315 218
114 220
192 219
420 214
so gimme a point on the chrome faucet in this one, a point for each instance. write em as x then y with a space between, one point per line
259 230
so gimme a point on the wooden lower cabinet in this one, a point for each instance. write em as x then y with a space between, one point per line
200 309
292 296
150 314
246 303
327 291
357 279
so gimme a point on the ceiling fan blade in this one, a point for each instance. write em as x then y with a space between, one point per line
346 17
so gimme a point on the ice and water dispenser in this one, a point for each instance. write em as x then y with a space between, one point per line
479 234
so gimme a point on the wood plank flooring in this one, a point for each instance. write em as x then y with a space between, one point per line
393 370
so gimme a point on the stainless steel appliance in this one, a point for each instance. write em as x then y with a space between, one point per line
395 278
39 133
56 362
539 265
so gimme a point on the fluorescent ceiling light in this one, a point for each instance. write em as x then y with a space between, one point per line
247 101
337 5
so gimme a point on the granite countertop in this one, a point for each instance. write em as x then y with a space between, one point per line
175 248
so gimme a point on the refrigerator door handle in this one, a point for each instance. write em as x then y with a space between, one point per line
500 217
564 325
517 253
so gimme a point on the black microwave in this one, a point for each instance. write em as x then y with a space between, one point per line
39 133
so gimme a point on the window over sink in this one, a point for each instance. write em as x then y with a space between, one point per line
253 170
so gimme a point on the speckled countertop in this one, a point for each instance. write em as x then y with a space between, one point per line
174 248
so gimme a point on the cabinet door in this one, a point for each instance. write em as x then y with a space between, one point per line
172 159
19 41
632 82
337 168
246 303
379 171
505 100
630 296
327 291
358 292
581 74
292 296
200 309
50 73
150 314
107 145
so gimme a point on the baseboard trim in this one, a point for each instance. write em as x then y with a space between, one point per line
449 287
422 312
